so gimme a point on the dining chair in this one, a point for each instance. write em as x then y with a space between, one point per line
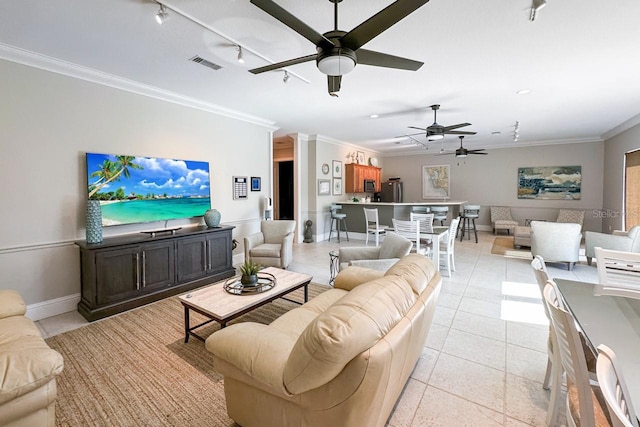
583 408
372 225
614 389
446 248
618 273
426 225
409 230
554 365
440 213
337 218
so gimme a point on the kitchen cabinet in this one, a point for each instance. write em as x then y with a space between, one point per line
356 174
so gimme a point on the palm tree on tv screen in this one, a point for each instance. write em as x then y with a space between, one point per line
111 171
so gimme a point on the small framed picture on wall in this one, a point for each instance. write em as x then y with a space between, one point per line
255 183
337 169
337 186
324 187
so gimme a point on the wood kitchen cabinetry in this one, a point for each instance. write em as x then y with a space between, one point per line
124 272
355 175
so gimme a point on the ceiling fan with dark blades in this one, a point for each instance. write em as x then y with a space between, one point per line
437 131
463 152
338 52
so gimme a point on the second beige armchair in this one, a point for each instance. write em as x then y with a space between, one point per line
273 245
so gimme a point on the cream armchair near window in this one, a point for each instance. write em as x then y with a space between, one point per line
273 245
618 241
556 241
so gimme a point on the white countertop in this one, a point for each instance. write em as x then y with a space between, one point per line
423 203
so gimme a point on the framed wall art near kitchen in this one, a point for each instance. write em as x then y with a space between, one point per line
337 169
360 157
337 186
435 182
324 187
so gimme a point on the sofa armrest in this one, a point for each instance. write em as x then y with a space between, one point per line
254 349
11 304
353 276
348 254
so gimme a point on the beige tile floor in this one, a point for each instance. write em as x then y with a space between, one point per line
485 356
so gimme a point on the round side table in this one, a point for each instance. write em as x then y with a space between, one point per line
333 265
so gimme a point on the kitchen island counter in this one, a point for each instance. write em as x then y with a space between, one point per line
389 210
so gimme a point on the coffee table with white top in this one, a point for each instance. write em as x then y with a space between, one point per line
220 306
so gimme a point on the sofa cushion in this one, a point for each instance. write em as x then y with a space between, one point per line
26 361
353 276
417 274
347 328
11 304
271 250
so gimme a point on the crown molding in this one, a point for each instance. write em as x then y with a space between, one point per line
54 65
633 121
329 140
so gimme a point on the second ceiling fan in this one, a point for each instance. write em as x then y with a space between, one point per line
436 131
338 52
463 152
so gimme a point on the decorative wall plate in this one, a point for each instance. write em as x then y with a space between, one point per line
325 168
373 161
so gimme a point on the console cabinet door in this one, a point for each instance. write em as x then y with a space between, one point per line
158 265
117 275
218 252
192 258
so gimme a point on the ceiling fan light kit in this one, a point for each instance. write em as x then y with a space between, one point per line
338 52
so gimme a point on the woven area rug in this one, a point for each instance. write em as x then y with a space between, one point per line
134 369
504 246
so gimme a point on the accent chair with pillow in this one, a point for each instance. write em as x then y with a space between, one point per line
556 241
273 245
392 248
501 219
618 241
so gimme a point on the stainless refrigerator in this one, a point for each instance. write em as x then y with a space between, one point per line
391 192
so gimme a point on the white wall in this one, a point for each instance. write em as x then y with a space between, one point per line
491 180
614 151
47 123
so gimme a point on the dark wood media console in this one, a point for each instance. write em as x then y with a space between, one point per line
128 271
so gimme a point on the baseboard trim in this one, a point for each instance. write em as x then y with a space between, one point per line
53 307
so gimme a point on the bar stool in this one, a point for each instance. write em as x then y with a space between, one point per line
337 218
469 213
440 213
420 209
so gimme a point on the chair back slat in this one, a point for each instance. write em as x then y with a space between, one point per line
571 352
618 273
426 221
614 389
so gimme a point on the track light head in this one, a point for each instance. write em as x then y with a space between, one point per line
162 15
240 57
286 77
536 5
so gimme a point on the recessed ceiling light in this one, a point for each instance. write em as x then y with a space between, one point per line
523 91
374 116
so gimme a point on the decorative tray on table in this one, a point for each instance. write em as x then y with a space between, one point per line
265 282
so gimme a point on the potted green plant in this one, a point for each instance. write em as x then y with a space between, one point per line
249 271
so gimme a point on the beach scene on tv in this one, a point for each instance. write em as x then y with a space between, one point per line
143 189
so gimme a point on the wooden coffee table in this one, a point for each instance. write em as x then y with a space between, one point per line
220 306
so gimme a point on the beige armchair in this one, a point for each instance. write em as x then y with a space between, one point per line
392 248
273 245
618 241
501 219
556 241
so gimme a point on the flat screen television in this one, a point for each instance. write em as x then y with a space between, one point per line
144 189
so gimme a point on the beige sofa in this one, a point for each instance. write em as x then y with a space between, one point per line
342 359
618 241
28 368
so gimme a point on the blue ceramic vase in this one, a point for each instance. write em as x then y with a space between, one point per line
212 218
94 222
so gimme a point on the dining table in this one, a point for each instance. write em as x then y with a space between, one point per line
610 320
437 235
